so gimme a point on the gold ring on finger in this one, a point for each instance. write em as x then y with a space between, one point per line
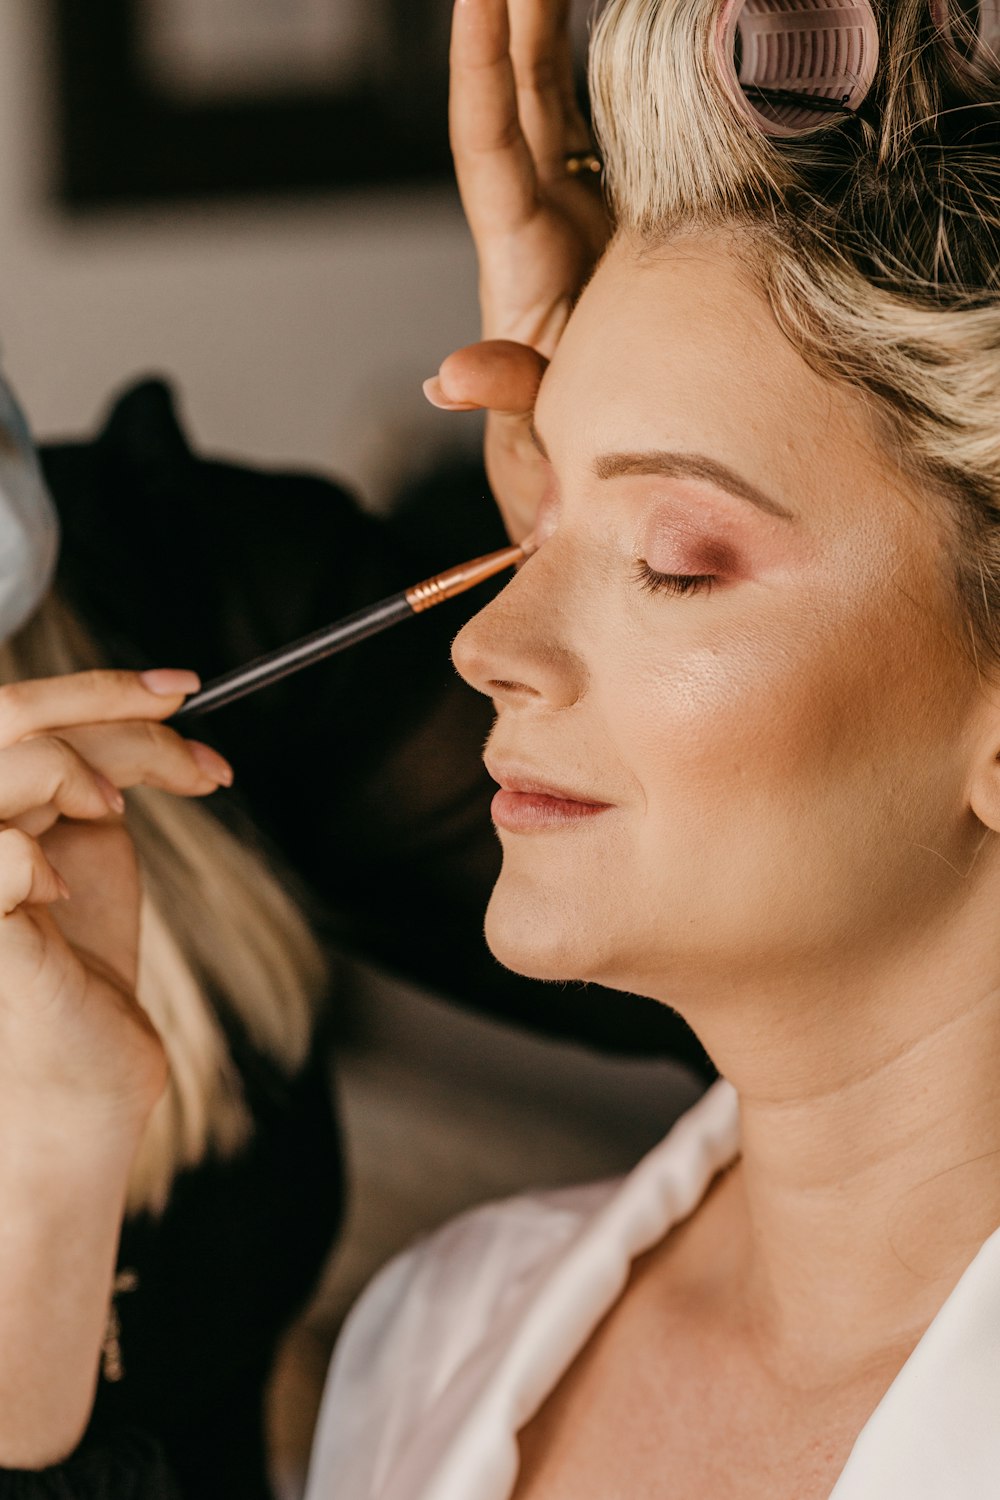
585 164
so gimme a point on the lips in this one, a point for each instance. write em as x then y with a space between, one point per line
527 804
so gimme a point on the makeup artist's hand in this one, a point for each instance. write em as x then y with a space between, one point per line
514 118
81 1066
77 1053
502 378
538 232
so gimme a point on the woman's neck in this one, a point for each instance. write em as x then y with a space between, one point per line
870 1173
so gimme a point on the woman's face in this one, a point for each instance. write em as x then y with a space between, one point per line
762 768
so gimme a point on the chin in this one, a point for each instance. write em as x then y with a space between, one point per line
541 940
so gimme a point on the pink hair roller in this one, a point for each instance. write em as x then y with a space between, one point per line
780 55
975 34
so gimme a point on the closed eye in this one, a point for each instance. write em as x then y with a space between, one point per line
677 584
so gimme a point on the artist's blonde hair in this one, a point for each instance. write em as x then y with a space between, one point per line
215 920
876 238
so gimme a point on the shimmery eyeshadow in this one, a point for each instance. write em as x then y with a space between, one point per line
680 547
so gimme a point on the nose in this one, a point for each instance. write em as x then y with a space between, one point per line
517 650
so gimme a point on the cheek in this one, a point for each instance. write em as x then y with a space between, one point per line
772 716
706 726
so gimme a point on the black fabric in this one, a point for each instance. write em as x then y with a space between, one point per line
364 774
122 1466
220 1275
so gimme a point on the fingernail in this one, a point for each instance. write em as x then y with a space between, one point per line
166 682
434 393
112 795
211 762
436 396
62 887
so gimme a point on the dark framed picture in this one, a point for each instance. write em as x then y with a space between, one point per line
168 99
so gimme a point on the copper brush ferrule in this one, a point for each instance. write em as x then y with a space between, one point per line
348 632
448 585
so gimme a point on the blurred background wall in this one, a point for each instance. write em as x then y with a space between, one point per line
298 330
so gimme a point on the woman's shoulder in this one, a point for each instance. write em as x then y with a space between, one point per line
428 1313
475 1272
461 1281
439 1322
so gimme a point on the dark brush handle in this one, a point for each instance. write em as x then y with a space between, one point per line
302 653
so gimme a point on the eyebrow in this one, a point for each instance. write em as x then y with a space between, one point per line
669 465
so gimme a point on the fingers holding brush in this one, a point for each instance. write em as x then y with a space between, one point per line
70 745
153 755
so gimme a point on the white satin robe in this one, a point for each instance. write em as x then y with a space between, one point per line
459 1341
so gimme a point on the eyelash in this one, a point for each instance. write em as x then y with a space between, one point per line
677 584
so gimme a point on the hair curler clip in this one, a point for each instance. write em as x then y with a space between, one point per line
791 65
972 29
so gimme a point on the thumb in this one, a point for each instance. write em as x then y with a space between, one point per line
495 375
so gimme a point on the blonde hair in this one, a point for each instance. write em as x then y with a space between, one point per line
215 920
876 237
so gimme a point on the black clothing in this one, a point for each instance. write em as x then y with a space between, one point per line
365 775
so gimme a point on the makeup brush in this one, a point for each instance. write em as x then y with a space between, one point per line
347 632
